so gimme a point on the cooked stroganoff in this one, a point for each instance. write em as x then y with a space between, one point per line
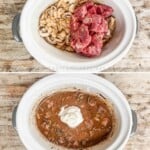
75 119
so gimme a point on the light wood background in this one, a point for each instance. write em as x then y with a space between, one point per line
136 87
14 57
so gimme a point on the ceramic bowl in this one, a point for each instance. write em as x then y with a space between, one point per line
24 117
58 60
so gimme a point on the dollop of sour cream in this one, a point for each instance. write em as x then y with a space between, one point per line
71 116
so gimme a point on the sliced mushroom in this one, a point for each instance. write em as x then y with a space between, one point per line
43 34
50 40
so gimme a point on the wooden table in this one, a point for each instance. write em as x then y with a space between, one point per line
14 57
136 87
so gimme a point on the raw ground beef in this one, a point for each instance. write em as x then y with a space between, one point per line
89 25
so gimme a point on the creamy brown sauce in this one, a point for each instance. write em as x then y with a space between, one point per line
96 126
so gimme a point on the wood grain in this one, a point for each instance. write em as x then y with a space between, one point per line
136 87
15 58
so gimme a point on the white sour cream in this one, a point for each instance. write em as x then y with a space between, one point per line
71 116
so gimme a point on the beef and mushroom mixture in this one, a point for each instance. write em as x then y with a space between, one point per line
74 119
81 26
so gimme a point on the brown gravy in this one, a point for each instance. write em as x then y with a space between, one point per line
96 126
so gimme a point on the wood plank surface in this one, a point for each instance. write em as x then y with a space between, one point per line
15 58
136 88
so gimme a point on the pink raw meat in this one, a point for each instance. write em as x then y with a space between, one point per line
91 51
81 38
88 27
104 10
94 49
99 27
74 23
80 12
89 4
92 18
92 10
